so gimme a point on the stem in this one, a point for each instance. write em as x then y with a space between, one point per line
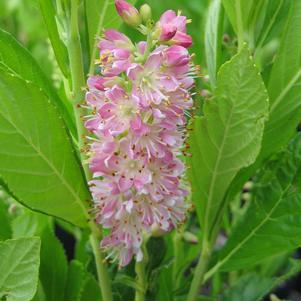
198 278
141 279
102 272
239 25
78 82
149 45
177 259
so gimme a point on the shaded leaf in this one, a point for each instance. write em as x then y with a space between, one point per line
272 223
59 48
213 39
253 287
91 290
285 86
53 270
75 281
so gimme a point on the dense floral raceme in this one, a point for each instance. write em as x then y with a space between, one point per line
138 105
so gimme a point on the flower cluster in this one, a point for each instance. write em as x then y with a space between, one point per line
138 123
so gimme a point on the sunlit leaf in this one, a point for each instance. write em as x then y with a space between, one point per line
19 266
15 58
228 137
37 160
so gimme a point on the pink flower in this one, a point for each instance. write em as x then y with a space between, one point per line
115 52
173 27
137 120
128 12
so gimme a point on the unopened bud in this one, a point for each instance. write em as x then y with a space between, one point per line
128 13
190 237
145 12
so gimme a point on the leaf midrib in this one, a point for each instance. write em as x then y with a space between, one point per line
285 90
52 167
215 171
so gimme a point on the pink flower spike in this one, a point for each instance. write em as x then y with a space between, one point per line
137 118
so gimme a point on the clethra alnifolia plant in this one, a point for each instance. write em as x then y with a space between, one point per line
130 173
138 104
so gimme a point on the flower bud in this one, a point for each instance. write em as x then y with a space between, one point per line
145 12
128 13
190 237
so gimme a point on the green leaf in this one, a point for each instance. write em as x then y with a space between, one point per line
285 86
91 290
83 249
5 228
231 7
36 157
53 270
15 58
75 281
19 266
228 137
59 48
40 294
250 287
271 20
213 39
284 91
28 224
253 287
100 14
272 223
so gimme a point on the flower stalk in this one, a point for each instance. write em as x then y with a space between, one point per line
141 280
200 270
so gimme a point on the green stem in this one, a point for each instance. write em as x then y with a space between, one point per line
141 281
141 278
78 82
149 45
239 25
198 278
177 258
102 272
